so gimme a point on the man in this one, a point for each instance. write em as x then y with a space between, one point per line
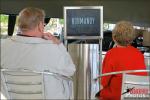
35 50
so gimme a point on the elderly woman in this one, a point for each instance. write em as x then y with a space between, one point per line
120 58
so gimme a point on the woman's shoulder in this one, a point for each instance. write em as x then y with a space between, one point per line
112 50
135 50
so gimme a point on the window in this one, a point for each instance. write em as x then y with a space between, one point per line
55 26
4 24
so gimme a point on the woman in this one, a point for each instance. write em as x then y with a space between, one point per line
120 58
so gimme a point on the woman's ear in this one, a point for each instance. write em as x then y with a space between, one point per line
113 38
115 42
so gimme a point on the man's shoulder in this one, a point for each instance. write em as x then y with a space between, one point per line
3 41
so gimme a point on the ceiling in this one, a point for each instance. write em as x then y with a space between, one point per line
137 11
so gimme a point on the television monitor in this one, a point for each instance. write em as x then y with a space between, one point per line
83 21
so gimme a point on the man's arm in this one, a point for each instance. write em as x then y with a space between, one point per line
66 62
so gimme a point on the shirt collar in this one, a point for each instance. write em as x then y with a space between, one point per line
30 40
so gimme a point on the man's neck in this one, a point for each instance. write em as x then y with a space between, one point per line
31 34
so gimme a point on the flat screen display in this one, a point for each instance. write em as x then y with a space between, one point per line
83 22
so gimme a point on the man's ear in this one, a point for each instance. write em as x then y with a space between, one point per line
40 27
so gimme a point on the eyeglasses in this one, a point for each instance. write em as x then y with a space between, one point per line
44 24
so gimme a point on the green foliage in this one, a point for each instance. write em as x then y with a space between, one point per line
4 24
61 21
4 19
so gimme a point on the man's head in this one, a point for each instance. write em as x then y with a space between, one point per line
31 18
123 33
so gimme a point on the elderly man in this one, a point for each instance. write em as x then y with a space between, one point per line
35 50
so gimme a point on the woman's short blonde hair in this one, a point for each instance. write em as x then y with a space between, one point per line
123 33
29 18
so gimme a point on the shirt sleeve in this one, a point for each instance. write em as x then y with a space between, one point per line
107 67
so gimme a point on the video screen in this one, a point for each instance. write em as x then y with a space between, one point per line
83 22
